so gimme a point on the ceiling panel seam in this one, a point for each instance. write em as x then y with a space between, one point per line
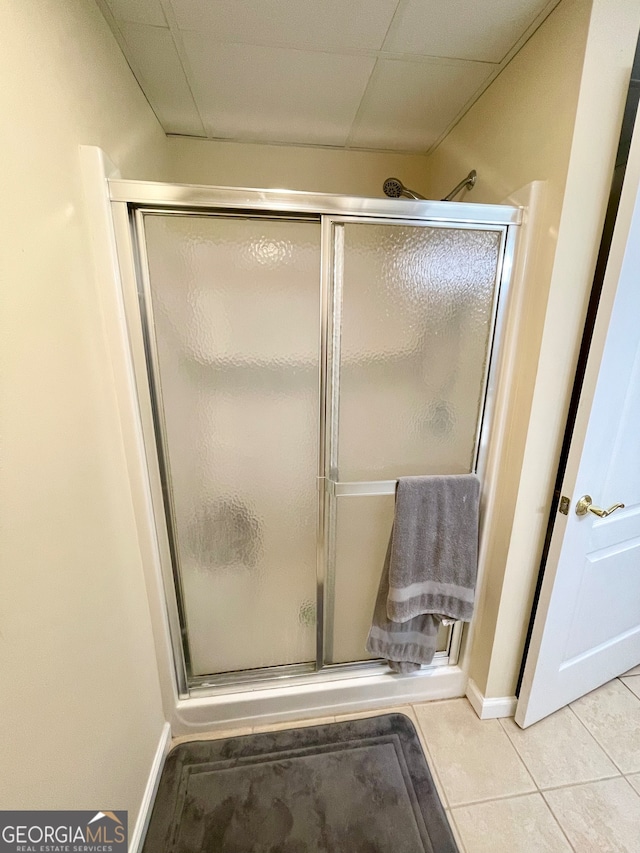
366 97
395 21
325 146
515 49
389 28
169 14
358 52
127 53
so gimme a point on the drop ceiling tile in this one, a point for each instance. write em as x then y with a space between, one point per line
138 11
409 104
163 80
483 31
316 24
275 95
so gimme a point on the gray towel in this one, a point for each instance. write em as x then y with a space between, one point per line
430 568
407 645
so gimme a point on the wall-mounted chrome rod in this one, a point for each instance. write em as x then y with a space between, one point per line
468 182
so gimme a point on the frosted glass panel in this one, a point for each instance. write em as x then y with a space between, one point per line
416 322
235 307
363 527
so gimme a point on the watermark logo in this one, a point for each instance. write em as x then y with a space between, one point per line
63 832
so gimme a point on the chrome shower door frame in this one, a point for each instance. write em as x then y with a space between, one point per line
130 201
332 284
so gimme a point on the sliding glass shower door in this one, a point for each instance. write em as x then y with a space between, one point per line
412 321
298 365
233 315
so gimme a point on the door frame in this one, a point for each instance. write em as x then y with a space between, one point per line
596 325
625 191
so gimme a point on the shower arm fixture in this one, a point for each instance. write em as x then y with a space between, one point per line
394 188
468 182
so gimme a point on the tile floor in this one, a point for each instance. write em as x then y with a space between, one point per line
568 783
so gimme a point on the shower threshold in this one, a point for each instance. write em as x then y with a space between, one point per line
238 707
299 674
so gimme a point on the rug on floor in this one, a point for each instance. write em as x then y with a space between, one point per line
361 786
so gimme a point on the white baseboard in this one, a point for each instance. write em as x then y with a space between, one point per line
140 829
490 709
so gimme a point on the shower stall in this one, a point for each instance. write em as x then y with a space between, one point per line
298 353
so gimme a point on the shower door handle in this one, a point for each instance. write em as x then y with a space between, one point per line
362 487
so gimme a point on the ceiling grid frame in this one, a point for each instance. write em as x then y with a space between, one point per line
404 128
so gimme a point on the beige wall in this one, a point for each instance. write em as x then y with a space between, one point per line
613 33
323 170
519 131
80 704
553 115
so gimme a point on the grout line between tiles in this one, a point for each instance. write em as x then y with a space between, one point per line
626 779
220 734
516 797
542 788
440 789
579 785
518 753
457 834
519 758
495 799
583 782
601 745
430 703
558 824
626 686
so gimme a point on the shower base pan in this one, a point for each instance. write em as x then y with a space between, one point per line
313 696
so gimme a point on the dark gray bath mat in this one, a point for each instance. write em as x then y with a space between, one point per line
354 787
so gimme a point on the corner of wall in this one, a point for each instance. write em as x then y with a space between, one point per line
611 43
500 487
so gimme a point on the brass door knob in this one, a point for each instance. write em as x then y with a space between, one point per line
585 505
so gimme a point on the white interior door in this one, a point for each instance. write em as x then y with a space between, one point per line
587 626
